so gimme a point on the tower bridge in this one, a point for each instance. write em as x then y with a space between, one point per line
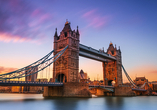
65 59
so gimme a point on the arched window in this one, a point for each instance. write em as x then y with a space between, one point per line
65 34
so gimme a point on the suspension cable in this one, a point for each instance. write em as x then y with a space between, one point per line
130 80
40 66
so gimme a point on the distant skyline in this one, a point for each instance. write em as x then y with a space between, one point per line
27 28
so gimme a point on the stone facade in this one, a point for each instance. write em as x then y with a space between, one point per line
112 70
66 68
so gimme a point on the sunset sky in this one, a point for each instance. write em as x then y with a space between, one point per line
27 28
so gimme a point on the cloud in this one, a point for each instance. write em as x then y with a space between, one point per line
21 21
5 37
95 20
6 69
155 71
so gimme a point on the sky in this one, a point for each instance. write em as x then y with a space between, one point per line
27 28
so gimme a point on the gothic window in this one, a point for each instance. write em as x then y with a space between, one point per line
65 34
142 79
58 37
112 69
112 52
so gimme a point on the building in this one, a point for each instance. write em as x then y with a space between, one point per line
139 81
42 80
153 86
5 89
31 78
82 76
30 70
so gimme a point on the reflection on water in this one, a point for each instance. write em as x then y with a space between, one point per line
10 97
37 102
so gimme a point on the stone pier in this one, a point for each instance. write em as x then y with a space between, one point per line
123 91
69 89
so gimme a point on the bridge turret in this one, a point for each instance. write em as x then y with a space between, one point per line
77 33
56 37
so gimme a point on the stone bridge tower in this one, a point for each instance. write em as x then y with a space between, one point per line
66 68
112 70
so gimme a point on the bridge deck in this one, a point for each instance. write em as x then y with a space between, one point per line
101 86
27 83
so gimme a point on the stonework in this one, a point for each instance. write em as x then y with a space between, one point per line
66 68
112 69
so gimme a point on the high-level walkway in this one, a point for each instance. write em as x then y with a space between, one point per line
94 54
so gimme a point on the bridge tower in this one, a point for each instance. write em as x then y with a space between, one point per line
112 70
66 68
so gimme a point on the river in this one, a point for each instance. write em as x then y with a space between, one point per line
37 102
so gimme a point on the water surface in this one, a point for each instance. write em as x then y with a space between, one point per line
37 102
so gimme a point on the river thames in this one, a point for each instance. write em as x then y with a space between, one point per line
37 102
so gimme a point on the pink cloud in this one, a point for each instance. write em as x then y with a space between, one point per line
5 37
35 12
6 69
95 20
89 13
40 20
155 71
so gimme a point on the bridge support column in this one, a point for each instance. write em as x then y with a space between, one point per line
104 73
53 91
123 91
69 89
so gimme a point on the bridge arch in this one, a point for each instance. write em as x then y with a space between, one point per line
111 82
61 77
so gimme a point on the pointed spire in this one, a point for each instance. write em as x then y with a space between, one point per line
111 43
67 26
119 49
66 22
56 35
115 47
77 32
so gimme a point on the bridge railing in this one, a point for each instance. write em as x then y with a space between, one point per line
29 83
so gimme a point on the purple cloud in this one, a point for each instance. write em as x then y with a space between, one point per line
95 20
21 21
